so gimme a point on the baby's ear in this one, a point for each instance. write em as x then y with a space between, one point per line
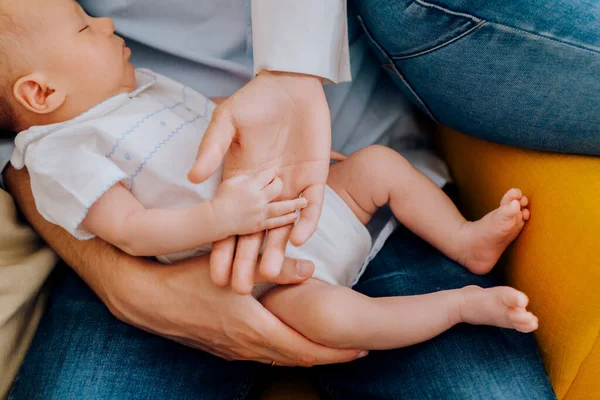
36 94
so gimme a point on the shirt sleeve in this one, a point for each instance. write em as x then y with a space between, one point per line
67 178
303 36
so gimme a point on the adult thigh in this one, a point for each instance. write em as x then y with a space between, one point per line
82 352
523 73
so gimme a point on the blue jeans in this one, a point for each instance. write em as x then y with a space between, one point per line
82 352
524 73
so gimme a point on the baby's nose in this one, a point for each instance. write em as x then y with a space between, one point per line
108 25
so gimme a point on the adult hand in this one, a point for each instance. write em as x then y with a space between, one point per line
179 301
277 120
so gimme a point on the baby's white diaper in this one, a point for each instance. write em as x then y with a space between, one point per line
339 247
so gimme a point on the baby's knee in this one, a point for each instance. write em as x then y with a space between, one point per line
381 159
384 166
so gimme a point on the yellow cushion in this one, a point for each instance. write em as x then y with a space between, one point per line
556 260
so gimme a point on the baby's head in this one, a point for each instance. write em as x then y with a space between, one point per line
56 62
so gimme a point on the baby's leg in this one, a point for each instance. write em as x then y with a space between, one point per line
337 316
377 175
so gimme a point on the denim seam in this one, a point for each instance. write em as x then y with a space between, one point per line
439 46
447 11
566 396
372 39
548 38
475 18
390 65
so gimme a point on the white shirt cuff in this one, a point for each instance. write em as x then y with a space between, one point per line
302 36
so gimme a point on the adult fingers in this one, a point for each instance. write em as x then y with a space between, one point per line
214 145
221 260
309 217
293 271
245 263
277 222
274 253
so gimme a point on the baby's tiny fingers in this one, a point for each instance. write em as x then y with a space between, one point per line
276 222
285 207
273 190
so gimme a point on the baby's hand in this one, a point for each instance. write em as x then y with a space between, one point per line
244 204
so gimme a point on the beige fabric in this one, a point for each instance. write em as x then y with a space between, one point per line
25 263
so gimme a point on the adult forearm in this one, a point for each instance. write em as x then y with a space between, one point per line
101 265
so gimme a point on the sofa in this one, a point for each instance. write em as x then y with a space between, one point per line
556 259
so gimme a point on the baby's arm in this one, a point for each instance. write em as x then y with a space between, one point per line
242 205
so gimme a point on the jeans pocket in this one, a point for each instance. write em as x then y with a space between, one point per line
409 28
403 29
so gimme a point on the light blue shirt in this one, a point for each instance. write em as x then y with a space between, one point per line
208 47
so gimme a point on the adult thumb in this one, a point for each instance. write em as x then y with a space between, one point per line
214 146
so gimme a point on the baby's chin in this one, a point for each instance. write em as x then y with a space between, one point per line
129 81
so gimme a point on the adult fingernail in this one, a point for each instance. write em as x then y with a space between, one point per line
362 354
305 268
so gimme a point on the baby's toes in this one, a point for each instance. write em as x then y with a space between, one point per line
512 194
523 321
510 210
524 201
514 299
525 213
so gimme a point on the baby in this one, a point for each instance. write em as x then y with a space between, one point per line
108 149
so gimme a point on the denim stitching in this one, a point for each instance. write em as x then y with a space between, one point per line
548 38
159 145
439 46
552 39
445 10
144 119
390 66
372 39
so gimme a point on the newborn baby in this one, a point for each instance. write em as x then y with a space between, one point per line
108 149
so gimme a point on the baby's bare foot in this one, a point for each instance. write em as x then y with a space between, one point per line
499 306
483 242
